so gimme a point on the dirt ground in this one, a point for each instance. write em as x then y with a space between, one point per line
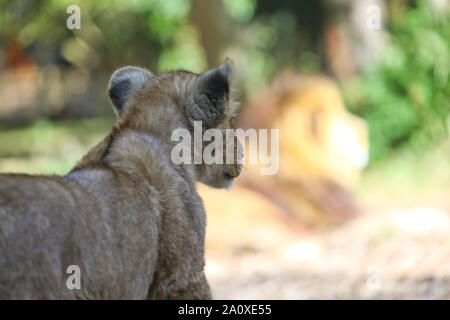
384 253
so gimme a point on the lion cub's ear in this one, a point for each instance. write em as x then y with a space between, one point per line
211 95
124 83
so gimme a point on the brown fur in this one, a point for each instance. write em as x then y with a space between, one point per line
129 217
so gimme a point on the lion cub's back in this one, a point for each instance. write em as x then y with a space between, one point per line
50 223
35 218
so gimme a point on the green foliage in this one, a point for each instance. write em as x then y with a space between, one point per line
270 42
405 98
113 32
241 10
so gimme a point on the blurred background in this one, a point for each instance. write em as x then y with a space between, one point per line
359 89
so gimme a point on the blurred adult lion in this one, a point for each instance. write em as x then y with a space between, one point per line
319 138
323 149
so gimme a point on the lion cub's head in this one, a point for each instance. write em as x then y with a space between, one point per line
181 100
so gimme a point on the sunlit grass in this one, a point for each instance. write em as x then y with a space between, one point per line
408 175
49 147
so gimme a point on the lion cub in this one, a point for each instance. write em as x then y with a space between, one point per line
126 215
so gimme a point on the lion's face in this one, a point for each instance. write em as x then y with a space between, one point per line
197 104
222 175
